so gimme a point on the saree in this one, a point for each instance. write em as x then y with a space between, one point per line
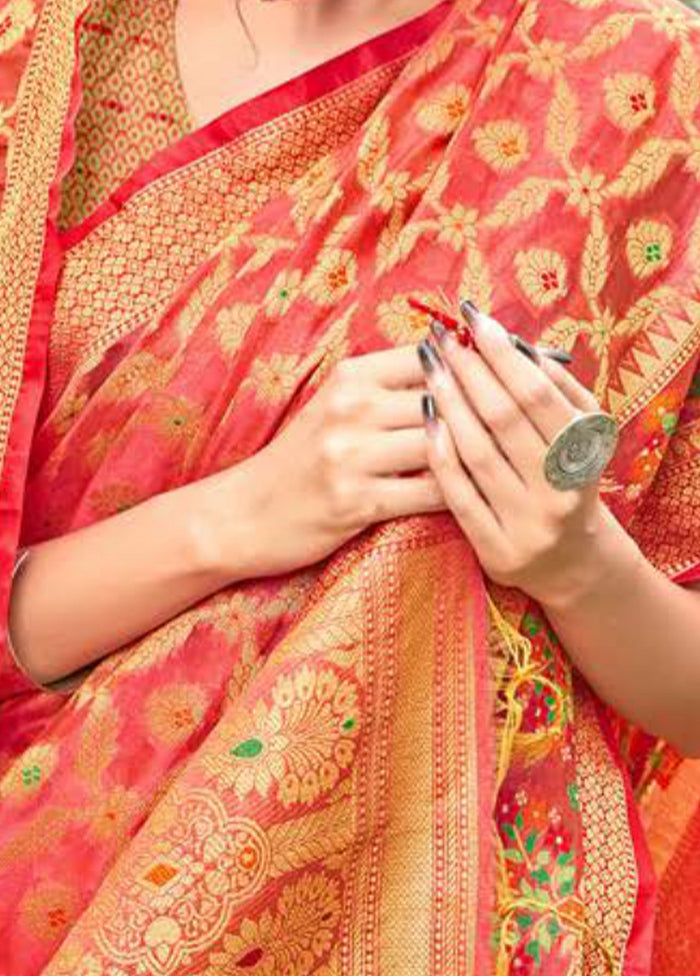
380 764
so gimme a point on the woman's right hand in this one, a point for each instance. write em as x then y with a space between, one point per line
355 455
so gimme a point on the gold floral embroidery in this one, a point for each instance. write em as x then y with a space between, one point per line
292 938
542 275
133 104
630 99
273 379
649 247
17 18
113 813
458 227
301 744
48 911
503 145
118 496
586 193
29 773
175 711
232 323
399 322
547 59
444 111
334 276
315 193
284 290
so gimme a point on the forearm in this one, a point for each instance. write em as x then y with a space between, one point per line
83 595
635 635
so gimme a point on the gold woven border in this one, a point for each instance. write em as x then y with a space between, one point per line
32 163
610 880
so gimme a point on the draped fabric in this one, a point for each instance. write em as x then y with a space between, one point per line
383 763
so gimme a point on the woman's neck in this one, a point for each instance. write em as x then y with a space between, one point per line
220 68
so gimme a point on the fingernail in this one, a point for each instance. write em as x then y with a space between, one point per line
480 323
430 412
471 313
429 357
439 331
523 346
558 355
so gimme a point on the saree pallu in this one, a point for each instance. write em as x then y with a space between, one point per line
381 764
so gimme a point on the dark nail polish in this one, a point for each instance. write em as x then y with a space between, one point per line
429 357
470 312
523 346
558 355
430 411
439 331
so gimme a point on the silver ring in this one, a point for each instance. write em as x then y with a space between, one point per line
582 451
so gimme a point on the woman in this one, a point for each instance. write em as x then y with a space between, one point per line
283 753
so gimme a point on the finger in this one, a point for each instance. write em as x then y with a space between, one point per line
396 497
396 451
477 519
489 468
396 409
391 368
575 392
517 437
529 385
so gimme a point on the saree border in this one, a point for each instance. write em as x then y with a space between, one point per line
38 156
268 108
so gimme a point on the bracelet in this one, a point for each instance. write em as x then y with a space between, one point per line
20 562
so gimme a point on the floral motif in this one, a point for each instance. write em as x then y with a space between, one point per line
110 499
301 743
175 711
444 112
458 227
542 276
284 290
232 323
393 191
15 21
669 21
504 145
200 862
292 938
274 379
334 276
400 322
114 813
586 194
315 193
630 99
49 910
547 59
29 772
487 30
649 247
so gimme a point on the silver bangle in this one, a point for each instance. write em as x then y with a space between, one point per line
20 561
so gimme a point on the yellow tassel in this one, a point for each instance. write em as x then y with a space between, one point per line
520 669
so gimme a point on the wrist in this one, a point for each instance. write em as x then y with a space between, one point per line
607 561
220 528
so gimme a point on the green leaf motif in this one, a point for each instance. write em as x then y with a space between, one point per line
533 950
250 749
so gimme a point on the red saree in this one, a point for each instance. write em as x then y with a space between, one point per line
379 765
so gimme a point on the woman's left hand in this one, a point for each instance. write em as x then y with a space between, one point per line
498 413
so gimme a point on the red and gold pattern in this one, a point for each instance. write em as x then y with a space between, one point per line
298 776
